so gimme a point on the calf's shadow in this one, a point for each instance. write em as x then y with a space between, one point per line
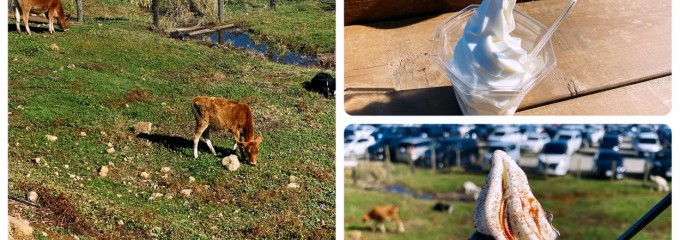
177 143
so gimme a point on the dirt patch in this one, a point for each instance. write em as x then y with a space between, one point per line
138 95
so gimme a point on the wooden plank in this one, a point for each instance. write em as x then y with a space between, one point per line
366 11
202 31
595 51
186 29
223 27
646 98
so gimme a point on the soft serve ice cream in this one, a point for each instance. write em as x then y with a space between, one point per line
506 207
489 61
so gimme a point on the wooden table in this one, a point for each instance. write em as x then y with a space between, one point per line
613 58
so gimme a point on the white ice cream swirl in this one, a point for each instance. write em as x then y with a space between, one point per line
486 54
506 207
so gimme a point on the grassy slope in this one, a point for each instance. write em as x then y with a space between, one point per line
121 63
585 209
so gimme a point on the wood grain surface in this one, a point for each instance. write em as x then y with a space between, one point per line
600 46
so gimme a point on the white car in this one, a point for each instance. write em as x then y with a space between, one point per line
572 137
596 133
511 148
554 158
535 141
413 149
363 131
646 143
355 147
506 134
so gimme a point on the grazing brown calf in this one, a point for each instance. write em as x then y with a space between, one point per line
51 9
221 114
382 214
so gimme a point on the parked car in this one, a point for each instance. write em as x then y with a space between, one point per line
572 137
362 130
534 142
413 148
592 134
661 163
554 158
377 151
506 134
610 142
603 161
645 143
452 151
355 147
511 148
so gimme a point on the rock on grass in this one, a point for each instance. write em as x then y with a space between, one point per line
103 171
142 127
51 138
186 192
165 170
145 175
19 227
231 162
32 196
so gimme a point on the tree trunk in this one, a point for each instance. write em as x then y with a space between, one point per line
79 4
272 4
155 5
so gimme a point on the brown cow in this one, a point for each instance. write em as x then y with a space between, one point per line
381 214
51 9
221 114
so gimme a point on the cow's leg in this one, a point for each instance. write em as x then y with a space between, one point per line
400 224
200 127
382 227
24 14
206 136
237 137
16 11
50 21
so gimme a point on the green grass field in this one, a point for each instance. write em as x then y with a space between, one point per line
122 74
583 209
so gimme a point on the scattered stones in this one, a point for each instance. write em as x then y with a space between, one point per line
110 145
293 185
186 192
127 105
54 47
20 107
293 182
56 173
103 134
37 160
44 234
120 222
83 134
110 150
111 164
168 196
292 178
155 195
20 227
143 127
32 196
72 176
165 170
66 166
155 232
51 138
231 162
103 171
71 66
145 175
191 179
75 237
356 235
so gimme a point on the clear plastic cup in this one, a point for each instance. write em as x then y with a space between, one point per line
476 97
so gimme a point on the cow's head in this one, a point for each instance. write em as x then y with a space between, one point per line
63 22
252 148
365 218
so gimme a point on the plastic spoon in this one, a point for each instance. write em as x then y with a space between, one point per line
546 36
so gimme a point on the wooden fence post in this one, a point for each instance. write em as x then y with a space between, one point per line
272 4
79 5
387 161
220 10
433 158
155 5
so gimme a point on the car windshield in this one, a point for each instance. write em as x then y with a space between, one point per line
494 148
532 138
663 156
499 133
564 137
348 140
648 140
554 149
609 156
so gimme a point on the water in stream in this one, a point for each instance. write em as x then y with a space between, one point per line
242 40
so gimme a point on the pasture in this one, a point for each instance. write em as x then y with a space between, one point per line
583 209
91 85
